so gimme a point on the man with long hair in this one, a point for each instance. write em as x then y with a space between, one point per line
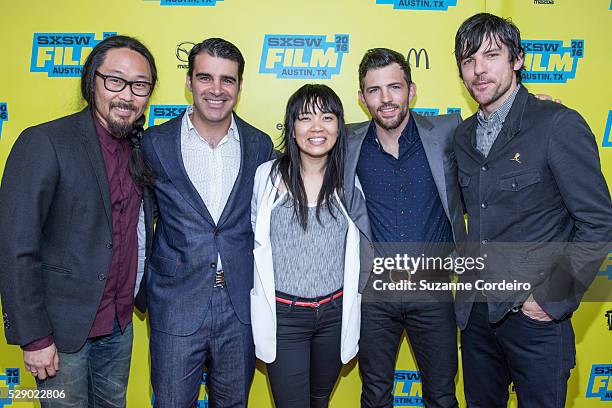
539 208
69 208
202 261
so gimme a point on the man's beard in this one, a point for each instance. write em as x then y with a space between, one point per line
120 129
393 124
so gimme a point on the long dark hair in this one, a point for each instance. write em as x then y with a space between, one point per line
305 100
140 170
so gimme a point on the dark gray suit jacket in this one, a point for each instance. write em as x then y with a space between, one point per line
436 134
56 235
537 205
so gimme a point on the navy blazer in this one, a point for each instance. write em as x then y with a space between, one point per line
183 262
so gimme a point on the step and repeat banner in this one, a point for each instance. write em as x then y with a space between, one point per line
287 44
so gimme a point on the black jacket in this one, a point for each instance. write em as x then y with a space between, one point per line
56 235
538 207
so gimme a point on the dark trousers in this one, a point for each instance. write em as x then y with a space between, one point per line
308 361
432 333
536 356
223 344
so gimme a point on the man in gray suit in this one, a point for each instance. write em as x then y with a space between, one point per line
408 175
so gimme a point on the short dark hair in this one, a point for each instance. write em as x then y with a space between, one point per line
97 56
220 48
487 27
309 98
376 58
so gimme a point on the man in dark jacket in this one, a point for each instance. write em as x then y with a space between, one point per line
538 209
70 200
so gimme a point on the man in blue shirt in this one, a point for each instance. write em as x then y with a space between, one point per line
408 176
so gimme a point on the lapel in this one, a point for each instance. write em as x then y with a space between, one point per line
512 123
248 155
356 137
167 145
91 143
434 153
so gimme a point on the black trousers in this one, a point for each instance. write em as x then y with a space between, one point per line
536 356
307 362
430 326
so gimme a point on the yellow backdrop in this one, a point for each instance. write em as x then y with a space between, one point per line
568 55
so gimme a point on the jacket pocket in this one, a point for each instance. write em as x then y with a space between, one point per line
518 182
56 269
162 266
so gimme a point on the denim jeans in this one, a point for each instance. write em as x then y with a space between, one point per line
96 376
431 329
536 356
308 361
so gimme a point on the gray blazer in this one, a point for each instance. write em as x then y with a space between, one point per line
436 134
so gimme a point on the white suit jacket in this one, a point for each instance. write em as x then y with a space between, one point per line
263 302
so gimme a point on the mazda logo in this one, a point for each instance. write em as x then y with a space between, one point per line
183 49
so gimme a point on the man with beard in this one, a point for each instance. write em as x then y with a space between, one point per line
408 178
69 208
539 208
202 259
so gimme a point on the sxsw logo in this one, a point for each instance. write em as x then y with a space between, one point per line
600 382
62 54
303 56
3 114
182 53
202 401
606 267
10 378
160 113
187 2
407 389
607 139
419 4
549 61
435 111
414 57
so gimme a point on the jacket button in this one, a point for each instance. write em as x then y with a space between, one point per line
484 204
213 265
485 167
109 245
484 241
101 277
514 184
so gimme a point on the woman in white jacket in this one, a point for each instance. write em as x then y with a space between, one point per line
305 308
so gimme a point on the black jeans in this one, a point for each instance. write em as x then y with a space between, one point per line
536 356
307 361
431 329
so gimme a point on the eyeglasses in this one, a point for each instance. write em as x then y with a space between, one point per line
116 84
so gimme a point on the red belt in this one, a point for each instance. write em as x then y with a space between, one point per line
310 304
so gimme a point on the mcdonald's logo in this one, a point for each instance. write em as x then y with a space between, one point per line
414 57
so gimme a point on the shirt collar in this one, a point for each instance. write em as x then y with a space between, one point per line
499 116
407 134
231 132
